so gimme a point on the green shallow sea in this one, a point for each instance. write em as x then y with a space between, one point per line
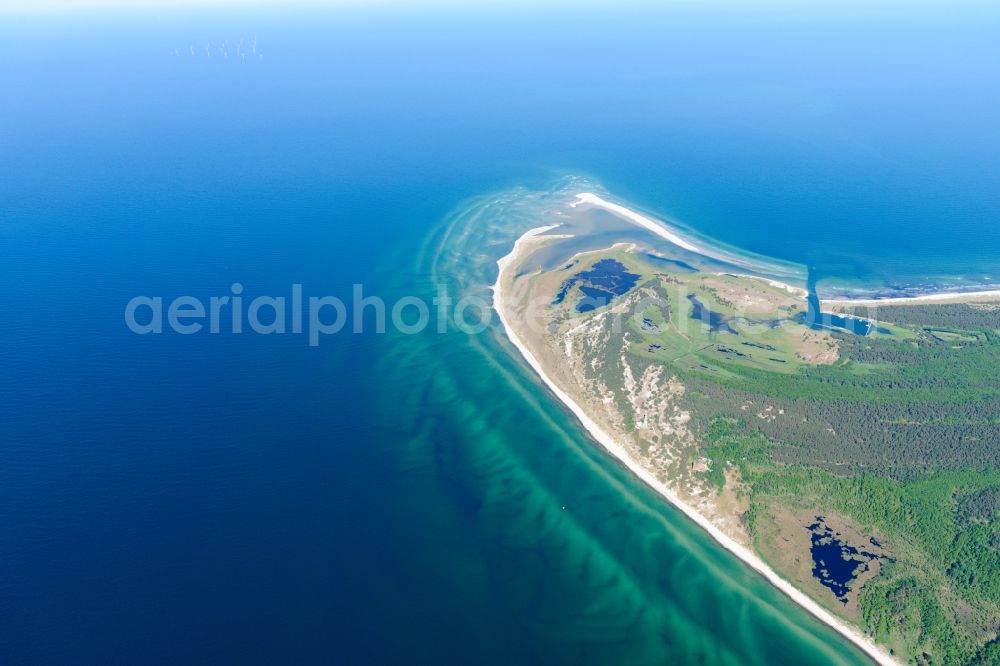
558 553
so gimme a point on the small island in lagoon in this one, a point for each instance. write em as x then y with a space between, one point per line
846 449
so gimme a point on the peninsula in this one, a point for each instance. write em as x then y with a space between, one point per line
811 447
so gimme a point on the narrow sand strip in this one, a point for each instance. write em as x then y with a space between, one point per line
939 297
641 220
665 232
797 291
608 442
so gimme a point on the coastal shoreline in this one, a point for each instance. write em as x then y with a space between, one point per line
934 297
767 271
668 234
618 451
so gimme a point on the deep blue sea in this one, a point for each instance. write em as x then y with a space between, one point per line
251 499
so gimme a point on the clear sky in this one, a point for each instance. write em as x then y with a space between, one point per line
62 5
56 5
53 5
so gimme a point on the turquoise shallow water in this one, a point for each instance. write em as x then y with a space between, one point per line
571 556
225 498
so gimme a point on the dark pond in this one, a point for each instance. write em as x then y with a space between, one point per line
714 320
828 320
816 318
606 279
836 563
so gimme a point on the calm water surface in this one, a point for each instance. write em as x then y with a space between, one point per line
233 498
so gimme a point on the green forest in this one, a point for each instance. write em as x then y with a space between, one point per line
901 436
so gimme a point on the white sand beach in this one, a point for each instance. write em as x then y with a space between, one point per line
939 297
641 220
664 231
797 291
